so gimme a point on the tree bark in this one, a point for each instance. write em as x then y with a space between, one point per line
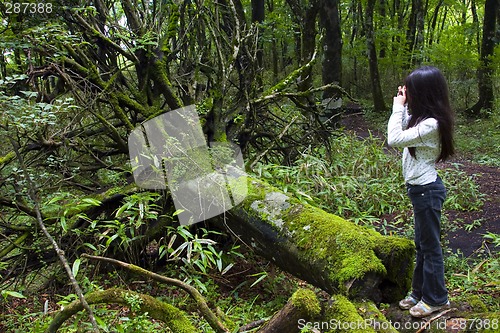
486 70
415 32
377 95
332 56
305 18
434 19
258 16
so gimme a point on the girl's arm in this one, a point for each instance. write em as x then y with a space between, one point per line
423 134
406 117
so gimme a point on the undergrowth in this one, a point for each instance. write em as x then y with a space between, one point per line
361 181
358 179
477 139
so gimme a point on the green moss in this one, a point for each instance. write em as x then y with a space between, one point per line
249 188
119 112
477 304
131 103
397 253
342 255
289 80
7 158
346 247
343 317
160 74
490 322
171 27
175 319
307 302
374 317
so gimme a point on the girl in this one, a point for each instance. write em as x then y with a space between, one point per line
422 123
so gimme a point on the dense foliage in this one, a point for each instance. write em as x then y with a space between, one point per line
76 77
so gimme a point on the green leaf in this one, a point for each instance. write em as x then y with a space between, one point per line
63 223
6 293
228 267
76 267
90 201
90 246
177 212
262 276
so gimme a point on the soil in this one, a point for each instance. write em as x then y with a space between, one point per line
467 242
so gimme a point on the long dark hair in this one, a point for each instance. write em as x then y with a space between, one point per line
427 96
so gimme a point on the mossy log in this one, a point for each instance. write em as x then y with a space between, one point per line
303 305
174 318
343 315
318 247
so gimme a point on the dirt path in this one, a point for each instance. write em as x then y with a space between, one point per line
488 178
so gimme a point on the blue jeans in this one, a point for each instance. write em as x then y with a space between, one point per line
428 276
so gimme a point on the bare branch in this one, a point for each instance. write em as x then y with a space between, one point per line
59 251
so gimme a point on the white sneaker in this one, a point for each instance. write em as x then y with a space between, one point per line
423 309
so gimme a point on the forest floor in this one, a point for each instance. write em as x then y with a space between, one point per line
488 178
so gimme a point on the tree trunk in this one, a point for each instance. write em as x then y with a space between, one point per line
305 18
377 95
318 247
475 23
434 20
308 44
344 315
321 248
382 10
332 57
486 70
258 15
303 305
415 32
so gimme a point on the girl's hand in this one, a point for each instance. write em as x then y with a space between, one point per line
400 98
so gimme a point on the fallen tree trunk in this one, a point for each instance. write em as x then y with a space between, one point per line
318 247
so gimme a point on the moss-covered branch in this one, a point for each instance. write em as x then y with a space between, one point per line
17 205
211 318
97 34
14 244
175 319
160 76
7 158
281 93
